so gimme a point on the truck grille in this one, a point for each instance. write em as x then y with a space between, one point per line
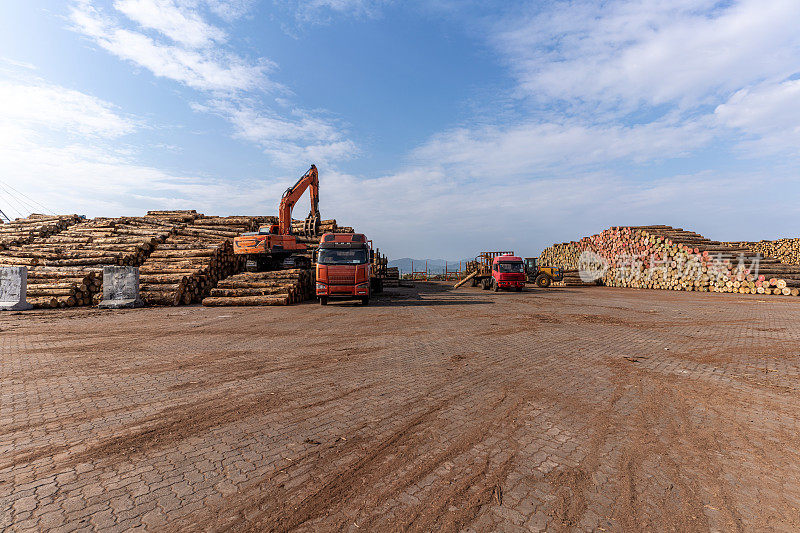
341 276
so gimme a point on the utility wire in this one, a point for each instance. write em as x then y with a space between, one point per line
11 206
4 215
29 198
25 204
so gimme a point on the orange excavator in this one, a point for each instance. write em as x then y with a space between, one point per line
271 246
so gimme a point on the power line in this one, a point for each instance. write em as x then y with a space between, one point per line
4 215
25 204
10 205
29 198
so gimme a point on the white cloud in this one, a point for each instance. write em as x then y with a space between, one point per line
58 108
206 69
322 11
229 10
299 137
344 6
648 51
14 64
198 57
176 22
769 114
87 175
530 148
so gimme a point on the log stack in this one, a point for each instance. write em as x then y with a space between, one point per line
182 254
662 257
325 226
278 287
194 258
97 242
65 268
572 278
52 287
25 230
181 216
785 250
312 243
392 278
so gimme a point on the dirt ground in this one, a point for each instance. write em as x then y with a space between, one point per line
431 410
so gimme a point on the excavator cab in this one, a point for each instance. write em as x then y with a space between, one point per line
272 229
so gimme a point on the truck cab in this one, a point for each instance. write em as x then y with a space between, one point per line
508 272
344 267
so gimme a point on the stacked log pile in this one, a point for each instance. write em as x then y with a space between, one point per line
278 287
392 278
101 241
52 287
312 242
325 226
194 258
785 250
25 230
662 257
182 255
572 278
65 268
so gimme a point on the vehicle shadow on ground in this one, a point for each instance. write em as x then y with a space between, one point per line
398 302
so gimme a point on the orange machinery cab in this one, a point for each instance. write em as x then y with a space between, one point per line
344 263
266 241
508 272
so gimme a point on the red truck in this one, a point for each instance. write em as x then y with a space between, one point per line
344 268
496 270
508 272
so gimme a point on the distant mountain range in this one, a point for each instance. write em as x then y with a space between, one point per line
435 266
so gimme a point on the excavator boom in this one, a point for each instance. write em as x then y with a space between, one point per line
309 180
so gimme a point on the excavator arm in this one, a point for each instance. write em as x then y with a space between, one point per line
309 180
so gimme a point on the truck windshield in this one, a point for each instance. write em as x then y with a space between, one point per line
510 268
342 256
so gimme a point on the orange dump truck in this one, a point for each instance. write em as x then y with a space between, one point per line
344 268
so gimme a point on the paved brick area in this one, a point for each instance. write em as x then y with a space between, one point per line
564 409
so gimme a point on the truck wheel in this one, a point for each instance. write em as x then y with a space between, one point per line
365 300
473 282
543 280
485 284
323 300
495 286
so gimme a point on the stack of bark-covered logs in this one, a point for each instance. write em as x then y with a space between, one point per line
785 250
24 230
278 287
312 243
51 287
392 278
191 261
325 226
65 268
572 278
662 257
100 241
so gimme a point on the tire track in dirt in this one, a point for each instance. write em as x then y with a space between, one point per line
663 437
274 505
168 426
385 456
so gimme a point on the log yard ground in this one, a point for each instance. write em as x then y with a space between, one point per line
432 409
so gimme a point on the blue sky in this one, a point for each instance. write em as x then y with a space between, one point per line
440 128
